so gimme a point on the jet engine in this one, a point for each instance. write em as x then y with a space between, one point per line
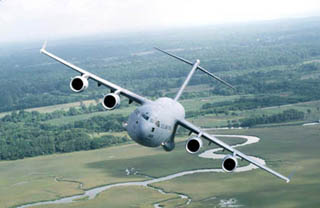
194 145
111 101
79 83
229 163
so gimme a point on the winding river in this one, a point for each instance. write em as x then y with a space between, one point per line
92 193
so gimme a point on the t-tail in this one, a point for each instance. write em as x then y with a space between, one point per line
195 66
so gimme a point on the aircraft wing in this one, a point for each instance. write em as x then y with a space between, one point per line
132 96
184 123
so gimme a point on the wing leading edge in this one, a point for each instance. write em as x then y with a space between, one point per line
132 96
184 123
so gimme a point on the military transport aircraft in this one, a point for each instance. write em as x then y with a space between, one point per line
155 123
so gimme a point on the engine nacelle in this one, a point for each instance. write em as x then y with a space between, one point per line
193 145
78 84
229 163
111 101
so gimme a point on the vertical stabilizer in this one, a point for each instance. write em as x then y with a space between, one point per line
198 67
185 83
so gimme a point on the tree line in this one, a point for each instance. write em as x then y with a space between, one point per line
256 101
23 134
285 116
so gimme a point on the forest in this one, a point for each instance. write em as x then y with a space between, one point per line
23 134
287 115
264 57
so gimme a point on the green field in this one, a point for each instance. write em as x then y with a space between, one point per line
52 108
212 120
285 149
195 104
189 104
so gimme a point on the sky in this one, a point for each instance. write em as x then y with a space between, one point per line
22 20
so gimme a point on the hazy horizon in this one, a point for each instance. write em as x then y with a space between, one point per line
48 19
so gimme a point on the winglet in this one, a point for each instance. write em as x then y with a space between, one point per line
43 47
290 176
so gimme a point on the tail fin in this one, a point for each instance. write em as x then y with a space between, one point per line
185 83
198 67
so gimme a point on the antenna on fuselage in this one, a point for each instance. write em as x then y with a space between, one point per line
195 66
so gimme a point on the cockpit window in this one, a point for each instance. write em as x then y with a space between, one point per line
158 123
145 117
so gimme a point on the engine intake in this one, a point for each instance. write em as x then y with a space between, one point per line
111 101
193 145
229 163
78 84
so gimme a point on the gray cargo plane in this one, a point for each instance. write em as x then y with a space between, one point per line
155 123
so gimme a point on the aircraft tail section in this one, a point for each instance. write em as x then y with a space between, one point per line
185 83
195 66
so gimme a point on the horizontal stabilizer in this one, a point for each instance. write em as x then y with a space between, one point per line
199 67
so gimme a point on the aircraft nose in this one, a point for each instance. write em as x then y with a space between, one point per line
144 128
141 129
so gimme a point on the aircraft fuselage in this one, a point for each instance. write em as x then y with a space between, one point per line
154 124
